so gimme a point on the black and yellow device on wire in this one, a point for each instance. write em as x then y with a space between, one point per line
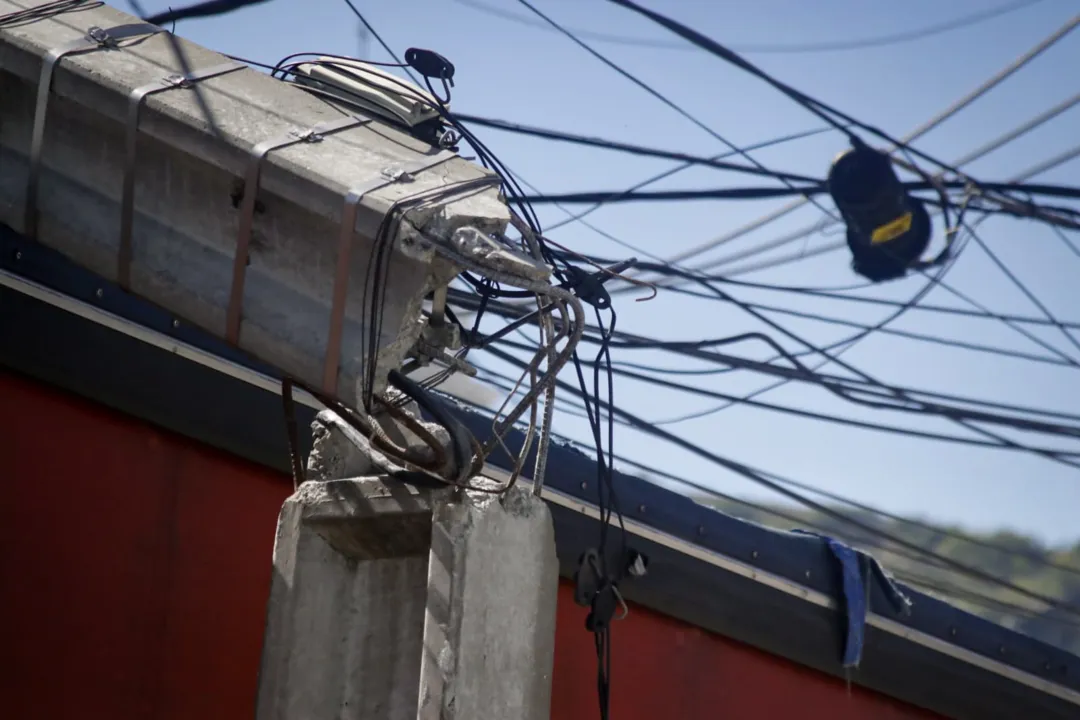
888 230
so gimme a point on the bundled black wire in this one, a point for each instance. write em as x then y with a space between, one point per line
210 8
765 481
950 406
840 120
609 570
45 11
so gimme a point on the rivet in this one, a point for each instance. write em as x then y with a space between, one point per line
584 485
18 254
1046 666
1001 649
700 529
754 554
641 508
807 574
99 293
952 631
175 323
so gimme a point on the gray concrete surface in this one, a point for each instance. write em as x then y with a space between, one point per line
489 626
185 222
344 619
394 602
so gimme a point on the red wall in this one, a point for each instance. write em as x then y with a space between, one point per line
134 567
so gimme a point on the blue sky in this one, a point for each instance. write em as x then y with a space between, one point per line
512 70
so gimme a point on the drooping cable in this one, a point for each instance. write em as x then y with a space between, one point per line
757 477
959 23
659 96
949 112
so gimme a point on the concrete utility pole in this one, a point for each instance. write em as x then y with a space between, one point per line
189 189
395 602
259 222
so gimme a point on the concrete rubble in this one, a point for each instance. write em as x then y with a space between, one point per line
189 183
394 601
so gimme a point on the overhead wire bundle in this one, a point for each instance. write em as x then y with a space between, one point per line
907 305
951 190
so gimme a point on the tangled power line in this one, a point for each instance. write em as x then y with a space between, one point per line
535 283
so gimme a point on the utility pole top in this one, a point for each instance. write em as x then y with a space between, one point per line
232 221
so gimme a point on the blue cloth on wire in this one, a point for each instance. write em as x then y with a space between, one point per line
855 566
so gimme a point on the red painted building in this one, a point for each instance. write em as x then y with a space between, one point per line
138 564
142 492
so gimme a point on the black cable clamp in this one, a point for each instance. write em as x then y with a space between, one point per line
594 589
589 287
432 65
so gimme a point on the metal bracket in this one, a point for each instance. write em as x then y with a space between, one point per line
341 280
247 206
95 39
135 99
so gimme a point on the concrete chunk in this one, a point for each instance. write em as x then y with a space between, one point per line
394 602
188 184
489 627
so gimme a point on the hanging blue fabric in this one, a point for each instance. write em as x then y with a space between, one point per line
854 565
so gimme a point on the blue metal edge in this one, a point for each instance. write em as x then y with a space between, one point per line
797 558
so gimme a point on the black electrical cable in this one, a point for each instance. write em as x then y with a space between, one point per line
835 497
1049 429
660 96
318 56
958 23
964 419
766 193
1066 240
764 367
1021 286
632 149
45 11
802 523
825 112
934 408
984 602
513 191
609 575
757 477
489 290
873 511
578 217
907 334
832 295
749 402
937 529
823 352
210 8
840 347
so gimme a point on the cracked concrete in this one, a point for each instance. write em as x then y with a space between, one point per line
396 602
185 222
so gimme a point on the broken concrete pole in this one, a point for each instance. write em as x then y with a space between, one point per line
190 183
390 601
343 629
489 626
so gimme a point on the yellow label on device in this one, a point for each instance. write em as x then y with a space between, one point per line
892 230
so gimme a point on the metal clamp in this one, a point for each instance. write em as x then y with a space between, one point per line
247 206
135 99
95 39
332 361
